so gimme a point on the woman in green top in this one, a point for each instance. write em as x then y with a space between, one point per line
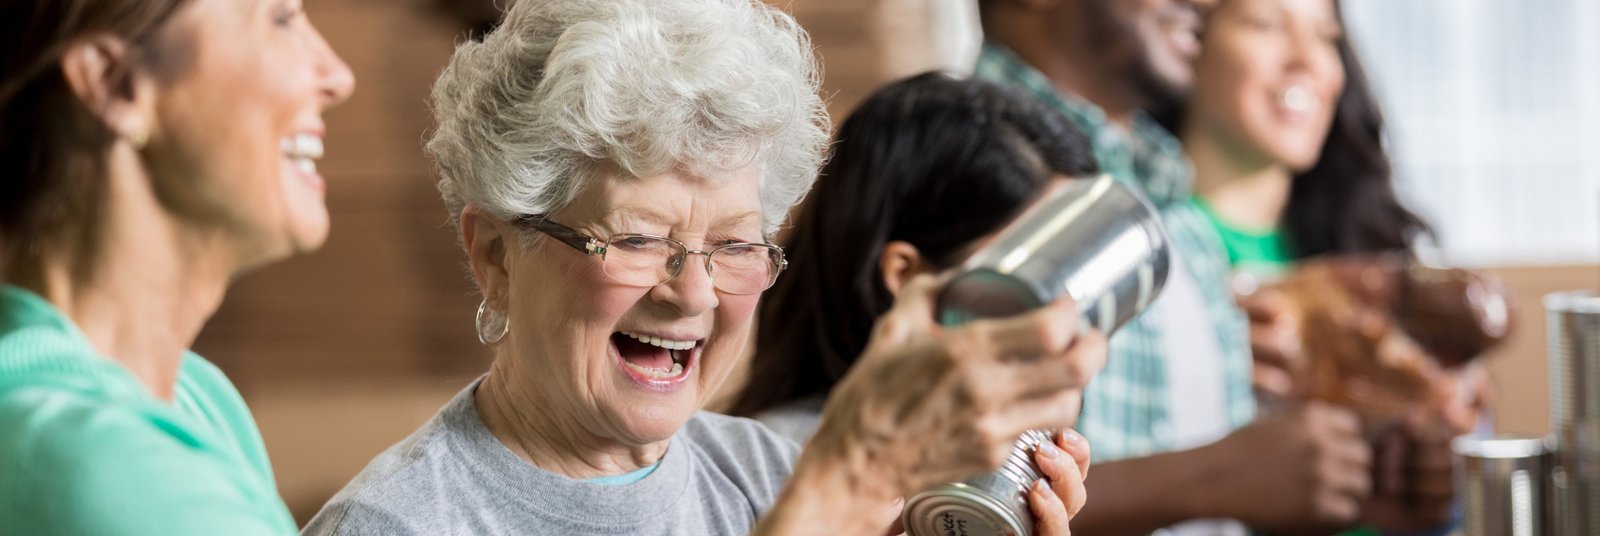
1286 140
151 151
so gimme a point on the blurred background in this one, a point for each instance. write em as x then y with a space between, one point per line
341 353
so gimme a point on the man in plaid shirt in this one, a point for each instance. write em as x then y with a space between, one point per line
1172 417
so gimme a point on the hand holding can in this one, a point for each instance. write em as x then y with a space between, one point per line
1095 241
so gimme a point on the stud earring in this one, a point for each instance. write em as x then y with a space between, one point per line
138 139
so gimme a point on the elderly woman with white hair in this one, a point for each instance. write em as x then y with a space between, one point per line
615 170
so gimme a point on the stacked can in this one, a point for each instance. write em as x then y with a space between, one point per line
1502 485
1093 239
1574 319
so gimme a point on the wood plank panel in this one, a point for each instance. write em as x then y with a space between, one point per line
1520 367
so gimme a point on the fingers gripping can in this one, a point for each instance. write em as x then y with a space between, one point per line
1095 240
992 504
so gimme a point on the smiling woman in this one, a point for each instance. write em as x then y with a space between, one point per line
152 151
589 152
1287 142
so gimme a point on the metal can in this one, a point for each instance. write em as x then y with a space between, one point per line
1574 323
1093 239
1501 484
992 504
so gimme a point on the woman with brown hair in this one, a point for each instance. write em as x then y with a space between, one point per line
151 151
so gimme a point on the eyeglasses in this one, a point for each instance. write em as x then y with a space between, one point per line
649 260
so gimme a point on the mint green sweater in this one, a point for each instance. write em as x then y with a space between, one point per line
86 449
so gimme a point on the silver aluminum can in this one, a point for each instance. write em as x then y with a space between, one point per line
1574 323
1093 239
1501 484
995 504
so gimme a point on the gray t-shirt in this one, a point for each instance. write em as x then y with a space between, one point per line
453 477
796 420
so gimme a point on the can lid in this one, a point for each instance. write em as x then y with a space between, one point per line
1573 301
960 509
1499 447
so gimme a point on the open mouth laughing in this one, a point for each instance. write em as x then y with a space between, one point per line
302 152
657 362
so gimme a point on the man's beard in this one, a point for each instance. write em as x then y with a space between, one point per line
1131 59
1156 93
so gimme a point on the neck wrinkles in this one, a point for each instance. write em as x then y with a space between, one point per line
539 433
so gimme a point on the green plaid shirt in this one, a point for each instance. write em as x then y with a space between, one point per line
1125 410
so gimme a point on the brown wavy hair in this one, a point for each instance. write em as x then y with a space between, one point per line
1346 203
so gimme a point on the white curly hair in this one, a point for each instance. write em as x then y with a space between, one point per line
565 88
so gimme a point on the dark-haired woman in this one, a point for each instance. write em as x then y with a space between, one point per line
922 174
1286 139
151 151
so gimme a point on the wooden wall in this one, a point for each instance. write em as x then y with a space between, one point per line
1519 368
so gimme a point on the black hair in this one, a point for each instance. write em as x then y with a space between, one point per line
930 160
1346 202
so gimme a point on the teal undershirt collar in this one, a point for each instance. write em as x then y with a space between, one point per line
625 478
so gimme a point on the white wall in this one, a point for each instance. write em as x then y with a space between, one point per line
1494 114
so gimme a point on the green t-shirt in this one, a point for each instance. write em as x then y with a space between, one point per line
86 449
1261 253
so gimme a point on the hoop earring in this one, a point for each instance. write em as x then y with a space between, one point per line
490 339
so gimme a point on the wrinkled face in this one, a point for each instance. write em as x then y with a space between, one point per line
239 130
1155 43
630 363
1270 78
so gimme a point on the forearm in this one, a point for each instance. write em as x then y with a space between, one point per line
826 497
1140 495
